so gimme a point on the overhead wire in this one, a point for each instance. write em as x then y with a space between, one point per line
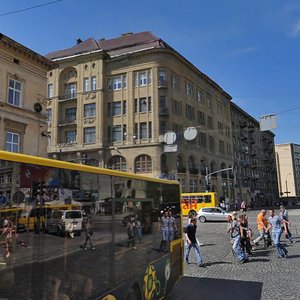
29 8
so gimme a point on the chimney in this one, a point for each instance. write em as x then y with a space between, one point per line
78 41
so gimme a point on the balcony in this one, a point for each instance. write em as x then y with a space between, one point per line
67 144
181 170
68 96
67 121
162 84
163 111
193 171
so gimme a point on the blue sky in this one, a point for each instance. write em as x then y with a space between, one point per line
250 48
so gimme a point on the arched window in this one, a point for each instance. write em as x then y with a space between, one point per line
203 168
180 166
192 166
68 84
143 164
117 162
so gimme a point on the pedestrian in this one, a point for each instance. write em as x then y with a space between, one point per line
172 226
164 229
275 223
285 216
88 229
191 240
6 234
223 205
245 235
235 231
138 229
227 206
262 227
131 232
243 206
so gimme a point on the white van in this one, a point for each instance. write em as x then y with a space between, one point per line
64 221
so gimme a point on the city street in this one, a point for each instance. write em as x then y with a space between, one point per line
50 261
264 277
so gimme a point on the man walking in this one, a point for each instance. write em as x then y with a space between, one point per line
235 230
285 217
275 223
164 228
262 225
88 233
190 234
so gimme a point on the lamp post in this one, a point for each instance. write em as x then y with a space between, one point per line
207 176
286 185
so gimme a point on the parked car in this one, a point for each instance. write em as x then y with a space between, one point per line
59 221
212 214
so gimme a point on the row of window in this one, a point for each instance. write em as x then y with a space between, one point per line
116 133
142 164
70 113
116 108
7 178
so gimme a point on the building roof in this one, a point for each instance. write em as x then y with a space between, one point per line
81 47
127 43
128 40
5 40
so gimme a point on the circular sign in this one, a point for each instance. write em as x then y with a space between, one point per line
18 197
190 133
170 138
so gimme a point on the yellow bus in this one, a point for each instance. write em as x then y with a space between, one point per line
111 266
192 202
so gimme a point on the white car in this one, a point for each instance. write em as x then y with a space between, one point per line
212 214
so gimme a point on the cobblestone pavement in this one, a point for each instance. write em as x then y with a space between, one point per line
264 277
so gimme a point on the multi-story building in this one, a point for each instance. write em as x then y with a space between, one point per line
23 86
111 102
288 168
254 160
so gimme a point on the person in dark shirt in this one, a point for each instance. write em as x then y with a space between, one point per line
190 234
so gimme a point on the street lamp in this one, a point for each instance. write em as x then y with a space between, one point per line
286 185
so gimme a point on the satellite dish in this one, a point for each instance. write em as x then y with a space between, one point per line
190 133
170 138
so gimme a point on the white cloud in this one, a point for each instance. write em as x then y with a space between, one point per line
295 30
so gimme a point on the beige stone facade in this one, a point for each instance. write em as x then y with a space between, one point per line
112 101
254 160
288 168
23 82
23 127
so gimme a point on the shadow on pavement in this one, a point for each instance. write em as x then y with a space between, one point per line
259 259
193 288
217 263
